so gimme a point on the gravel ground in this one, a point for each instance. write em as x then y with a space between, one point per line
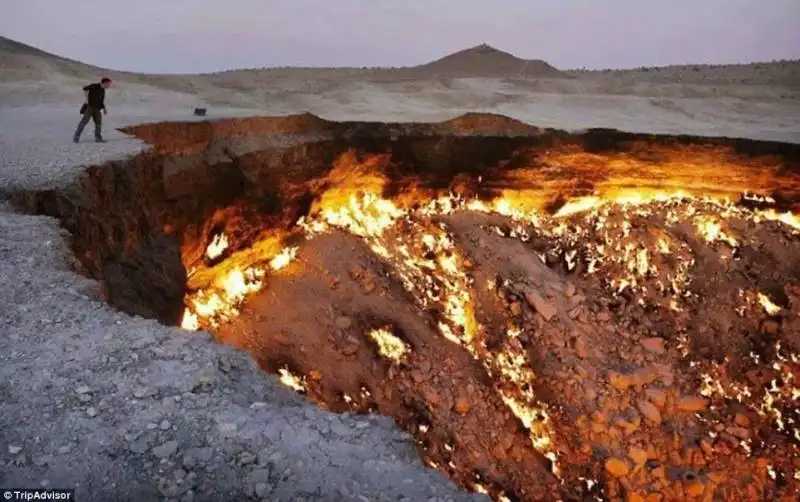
122 408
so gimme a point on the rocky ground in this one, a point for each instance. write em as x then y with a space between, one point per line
123 408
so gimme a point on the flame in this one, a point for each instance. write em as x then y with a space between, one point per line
621 235
285 257
291 380
389 345
769 307
217 246
711 230
788 218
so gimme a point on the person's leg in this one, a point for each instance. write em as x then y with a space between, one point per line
97 116
87 115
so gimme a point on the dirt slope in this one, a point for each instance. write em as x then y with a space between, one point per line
486 61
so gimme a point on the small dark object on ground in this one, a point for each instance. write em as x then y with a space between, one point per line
200 112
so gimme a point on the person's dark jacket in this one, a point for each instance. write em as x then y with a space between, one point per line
97 96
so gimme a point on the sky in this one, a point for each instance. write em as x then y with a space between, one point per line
186 36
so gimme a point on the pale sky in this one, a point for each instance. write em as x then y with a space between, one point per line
179 36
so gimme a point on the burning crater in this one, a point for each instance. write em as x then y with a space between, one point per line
552 316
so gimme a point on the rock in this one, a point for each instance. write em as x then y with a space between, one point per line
691 404
204 384
225 363
739 432
569 291
617 467
770 327
634 497
200 455
355 272
261 490
741 420
654 345
189 461
546 308
83 389
368 285
170 487
650 374
462 406
516 308
694 489
164 425
638 455
620 381
580 347
603 316
656 396
246 458
91 411
649 411
707 446
12 449
228 429
627 427
343 322
165 450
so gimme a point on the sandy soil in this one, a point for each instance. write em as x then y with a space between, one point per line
759 100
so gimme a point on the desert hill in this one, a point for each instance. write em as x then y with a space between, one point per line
17 58
483 60
480 78
486 61
19 61
780 73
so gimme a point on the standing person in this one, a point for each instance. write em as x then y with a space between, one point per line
92 107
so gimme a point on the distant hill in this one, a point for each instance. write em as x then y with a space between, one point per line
780 73
480 61
21 62
486 61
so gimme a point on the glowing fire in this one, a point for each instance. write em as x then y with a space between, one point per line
291 380
594 232
217 246
285 257
769 307
389 345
